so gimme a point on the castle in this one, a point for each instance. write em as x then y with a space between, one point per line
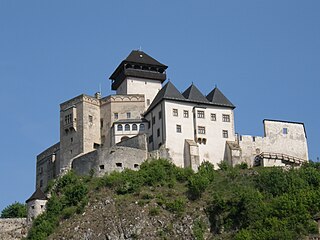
148 118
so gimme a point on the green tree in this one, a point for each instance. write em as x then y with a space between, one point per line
15 210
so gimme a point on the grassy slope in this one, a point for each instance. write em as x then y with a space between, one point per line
161 201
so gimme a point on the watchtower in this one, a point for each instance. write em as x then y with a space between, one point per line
139 74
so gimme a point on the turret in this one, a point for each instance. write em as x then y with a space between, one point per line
139 74
36 204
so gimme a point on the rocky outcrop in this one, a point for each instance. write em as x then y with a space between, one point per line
126 217
13 228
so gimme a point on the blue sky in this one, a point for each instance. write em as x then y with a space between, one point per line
263 55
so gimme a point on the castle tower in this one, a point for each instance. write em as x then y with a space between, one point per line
36 204
139 74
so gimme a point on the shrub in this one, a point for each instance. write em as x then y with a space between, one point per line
15 210
176 206
154 211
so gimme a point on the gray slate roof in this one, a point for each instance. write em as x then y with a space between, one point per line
168 91
191 94
37 195
216 97
137 56
194 94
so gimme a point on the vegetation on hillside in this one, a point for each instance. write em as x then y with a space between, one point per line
14 210
240 203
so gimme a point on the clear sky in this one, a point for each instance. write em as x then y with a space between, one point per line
263 55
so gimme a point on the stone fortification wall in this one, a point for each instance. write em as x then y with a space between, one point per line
13 228
129 154
138 142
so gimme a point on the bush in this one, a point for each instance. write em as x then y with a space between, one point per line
15 210
154 211
176 206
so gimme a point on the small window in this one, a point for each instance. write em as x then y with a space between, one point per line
225 118
119 164
148 102
158 132
68 119
134 127
160 115
175 112
116 115
199 140
153 120
200 114
42 206
119 127
71 139
90 119
178 128
185 113
136 165
201 130
213 117
253 139
150 139
285 131
142 127
96 145
101 167
204 141
128 115
127 127
32 206
225 133
41 183
101 123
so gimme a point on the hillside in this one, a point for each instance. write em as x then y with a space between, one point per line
161 201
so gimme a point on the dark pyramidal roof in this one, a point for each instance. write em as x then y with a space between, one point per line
141 65
194 94
168 91
191 94
216 97
137 56
37 195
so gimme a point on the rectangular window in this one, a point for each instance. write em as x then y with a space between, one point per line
160 115
116 115
285 131
153 120
119 164
213 117
201 130
175 112
151 139
90 119
128 115
185 113
225 133
68 119
158 132
178 128
225 118
148 102
200 114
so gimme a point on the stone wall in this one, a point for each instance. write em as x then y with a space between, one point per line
13 228
104 160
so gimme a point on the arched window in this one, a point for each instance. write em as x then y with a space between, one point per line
127 127
119 127
142 127
134 127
